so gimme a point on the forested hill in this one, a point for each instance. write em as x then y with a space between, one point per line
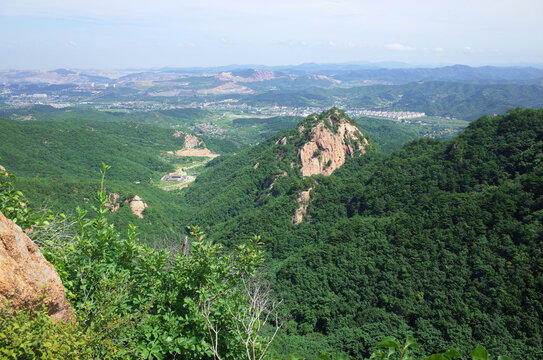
439 239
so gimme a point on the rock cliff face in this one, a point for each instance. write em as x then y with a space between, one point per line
137 206
25 275
332 140
191 141
303 201
324 142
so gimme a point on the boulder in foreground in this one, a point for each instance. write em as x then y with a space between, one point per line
25 275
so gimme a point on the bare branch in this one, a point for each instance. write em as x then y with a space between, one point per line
251 320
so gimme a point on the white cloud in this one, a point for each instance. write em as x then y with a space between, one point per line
399 47
70 43
439 49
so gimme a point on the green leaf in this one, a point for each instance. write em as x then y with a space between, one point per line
504 358
453 354
410 342
388 342
324 356
479 353
436 357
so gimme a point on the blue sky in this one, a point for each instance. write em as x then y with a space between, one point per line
47 34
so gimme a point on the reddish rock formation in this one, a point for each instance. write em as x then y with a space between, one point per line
327 149
25 275
137 206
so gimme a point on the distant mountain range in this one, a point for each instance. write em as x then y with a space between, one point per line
386 72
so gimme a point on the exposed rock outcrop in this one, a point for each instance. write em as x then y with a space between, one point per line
25 275
303 201
332 140
191 141
192 147
282 141
137 206
275 178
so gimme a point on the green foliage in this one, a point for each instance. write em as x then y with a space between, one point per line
390 349
13 202
52 149
439 239
393 350
33 335
55 163
387 135
133 301
439 98
14 205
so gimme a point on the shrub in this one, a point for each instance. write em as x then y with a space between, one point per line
33 335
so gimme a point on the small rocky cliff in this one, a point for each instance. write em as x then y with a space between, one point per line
25 275
332 137
324 143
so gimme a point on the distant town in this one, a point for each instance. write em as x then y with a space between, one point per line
59 102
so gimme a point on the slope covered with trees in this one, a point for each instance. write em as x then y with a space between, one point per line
56 163
439 239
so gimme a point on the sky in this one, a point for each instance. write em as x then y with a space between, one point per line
119 34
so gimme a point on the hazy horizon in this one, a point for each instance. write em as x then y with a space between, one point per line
165 33
230 67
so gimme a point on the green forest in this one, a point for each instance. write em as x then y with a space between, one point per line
440 239
417 238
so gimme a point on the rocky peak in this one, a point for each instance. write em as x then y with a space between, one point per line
330 138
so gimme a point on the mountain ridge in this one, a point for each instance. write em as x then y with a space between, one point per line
439 239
